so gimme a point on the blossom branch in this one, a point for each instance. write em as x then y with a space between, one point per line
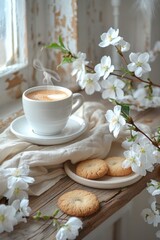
122 55
137 129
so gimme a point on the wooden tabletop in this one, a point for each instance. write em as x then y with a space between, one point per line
110 200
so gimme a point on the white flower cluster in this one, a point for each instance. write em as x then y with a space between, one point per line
139 155
113 87
103 79
17 209
152 215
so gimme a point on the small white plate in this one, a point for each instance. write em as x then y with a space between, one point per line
105 182
74 128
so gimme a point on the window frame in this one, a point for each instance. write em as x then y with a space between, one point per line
44 22
18 59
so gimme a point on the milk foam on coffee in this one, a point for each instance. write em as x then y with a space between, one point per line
47 95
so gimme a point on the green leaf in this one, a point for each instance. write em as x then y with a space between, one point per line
55 212
61 42
125 109
37 216
46 218
158 129
67 60
54 45
125 71
132 138
64 51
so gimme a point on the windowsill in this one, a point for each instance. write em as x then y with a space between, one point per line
11 69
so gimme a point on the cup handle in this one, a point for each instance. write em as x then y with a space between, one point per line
78 100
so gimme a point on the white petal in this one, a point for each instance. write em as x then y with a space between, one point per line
103 36
103 44
122 121
76 221
97 86
116 131
117 110
146 67
131 67
138 72
134 57
144 57
109 115
126 164
104 60
120 93
108 94
89 89
119 83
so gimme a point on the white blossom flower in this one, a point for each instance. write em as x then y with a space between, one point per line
158 234
157 47
7 218
139 63
22 209
110 38
132 159
104 68
70 229
112 88
90 83
152 56
156 155
135 136
146 148
127 143
116 121
154 53
139 157
151 216
140 93
153 187
17 191
16 174
125 46
79 66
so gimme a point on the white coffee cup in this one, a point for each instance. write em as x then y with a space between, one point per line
48 108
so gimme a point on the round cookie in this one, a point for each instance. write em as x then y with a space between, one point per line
79 203
92 168
115 168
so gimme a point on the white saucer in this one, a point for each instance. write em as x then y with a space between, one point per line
74 128
105 182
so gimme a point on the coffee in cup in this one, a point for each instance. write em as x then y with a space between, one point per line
48 108
47 95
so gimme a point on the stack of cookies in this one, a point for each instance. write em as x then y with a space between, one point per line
97 168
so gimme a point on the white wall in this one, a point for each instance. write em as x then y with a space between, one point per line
96 17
